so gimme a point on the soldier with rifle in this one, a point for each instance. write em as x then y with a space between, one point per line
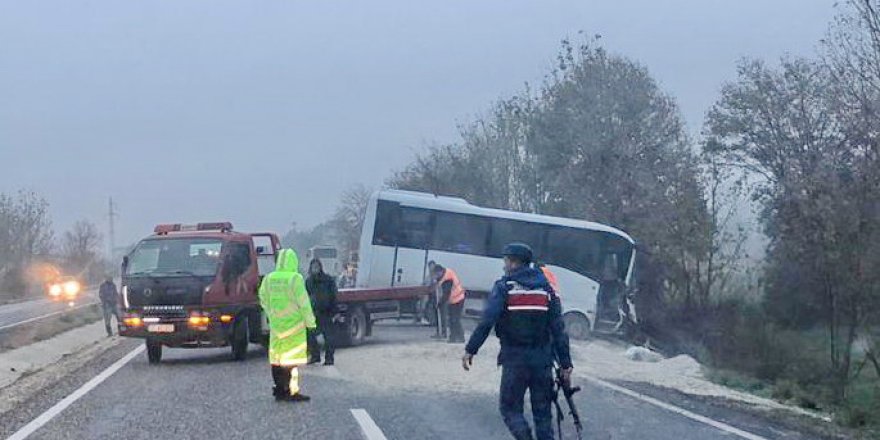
527 317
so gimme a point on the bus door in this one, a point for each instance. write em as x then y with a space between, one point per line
411 254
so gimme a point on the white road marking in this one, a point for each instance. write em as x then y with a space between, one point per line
672 408
50 413
37 318
368 426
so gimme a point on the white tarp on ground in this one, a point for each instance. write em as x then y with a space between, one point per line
437 365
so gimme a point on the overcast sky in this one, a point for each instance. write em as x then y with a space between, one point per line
262 113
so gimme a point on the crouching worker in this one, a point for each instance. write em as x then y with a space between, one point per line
284 299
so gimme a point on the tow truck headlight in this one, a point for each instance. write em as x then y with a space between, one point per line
199 320
55 290
133 321
125 296
71 288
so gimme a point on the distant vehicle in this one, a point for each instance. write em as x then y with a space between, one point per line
64 288
404 230
329 257
196 286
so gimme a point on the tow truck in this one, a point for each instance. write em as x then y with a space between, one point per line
193 286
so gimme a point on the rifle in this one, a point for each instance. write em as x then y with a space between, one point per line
568 392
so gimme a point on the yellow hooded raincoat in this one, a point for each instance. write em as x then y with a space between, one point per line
284 298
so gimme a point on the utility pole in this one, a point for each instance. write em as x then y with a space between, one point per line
111 235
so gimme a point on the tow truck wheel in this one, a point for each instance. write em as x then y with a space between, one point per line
577 326
154 351
356 323
240 339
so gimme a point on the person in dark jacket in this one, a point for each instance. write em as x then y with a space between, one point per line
322 291
108 295
527 317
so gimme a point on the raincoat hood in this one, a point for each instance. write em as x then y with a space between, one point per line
287 261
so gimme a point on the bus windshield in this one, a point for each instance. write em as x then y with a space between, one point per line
173 257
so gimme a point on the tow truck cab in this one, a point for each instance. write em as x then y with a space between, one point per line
196 286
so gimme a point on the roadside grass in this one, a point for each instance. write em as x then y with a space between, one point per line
741 382
48 327
860 411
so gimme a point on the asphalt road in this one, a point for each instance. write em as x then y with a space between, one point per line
15 313
202 394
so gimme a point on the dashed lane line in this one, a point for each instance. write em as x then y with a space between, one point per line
52 412
369 428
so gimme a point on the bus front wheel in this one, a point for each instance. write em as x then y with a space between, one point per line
577 326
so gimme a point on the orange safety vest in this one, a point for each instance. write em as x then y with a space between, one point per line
457 294
551 278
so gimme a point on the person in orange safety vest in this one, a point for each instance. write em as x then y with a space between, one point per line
551 277
452 296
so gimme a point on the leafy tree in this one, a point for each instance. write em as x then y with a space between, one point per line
599 141
819 196
611 147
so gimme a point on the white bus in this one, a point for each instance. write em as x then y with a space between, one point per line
405 230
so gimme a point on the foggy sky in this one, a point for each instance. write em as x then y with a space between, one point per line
262 113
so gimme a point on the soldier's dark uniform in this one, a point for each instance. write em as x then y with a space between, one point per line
527 317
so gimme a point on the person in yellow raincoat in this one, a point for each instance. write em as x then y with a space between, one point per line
285 301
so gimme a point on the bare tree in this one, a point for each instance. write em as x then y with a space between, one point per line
348 221
80 248
25 234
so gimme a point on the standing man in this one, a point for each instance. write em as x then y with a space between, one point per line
108 295
452 298
285 301
322 291
527 317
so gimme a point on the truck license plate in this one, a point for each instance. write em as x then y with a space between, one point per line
160 328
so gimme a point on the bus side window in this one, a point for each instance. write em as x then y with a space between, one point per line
387 227
416 227
507 231
461 233
573 249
